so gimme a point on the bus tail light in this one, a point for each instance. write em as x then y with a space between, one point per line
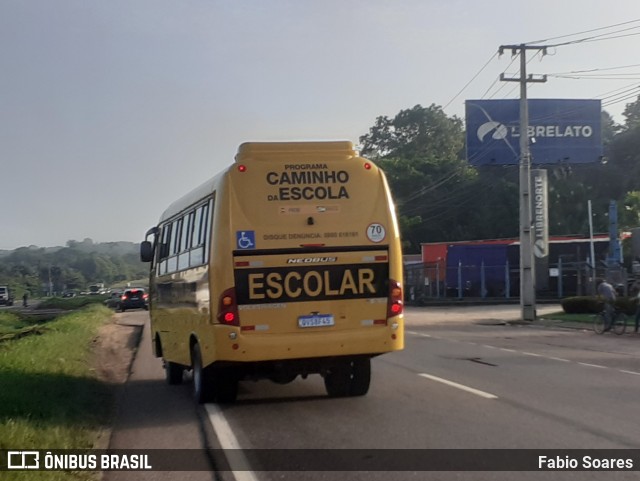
228 308
395 305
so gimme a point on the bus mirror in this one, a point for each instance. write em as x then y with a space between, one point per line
146 251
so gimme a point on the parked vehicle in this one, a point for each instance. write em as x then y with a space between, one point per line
97 289
6 298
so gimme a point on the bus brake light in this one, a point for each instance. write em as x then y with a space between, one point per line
395 305
228 308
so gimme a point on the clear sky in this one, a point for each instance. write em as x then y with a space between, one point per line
110 110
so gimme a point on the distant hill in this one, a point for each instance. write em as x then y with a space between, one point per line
73 267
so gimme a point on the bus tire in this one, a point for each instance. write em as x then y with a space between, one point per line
173 373
360 376
225 386
202 380
349 378
336 383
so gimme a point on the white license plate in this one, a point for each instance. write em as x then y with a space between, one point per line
316 320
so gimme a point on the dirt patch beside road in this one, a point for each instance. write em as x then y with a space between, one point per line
114 349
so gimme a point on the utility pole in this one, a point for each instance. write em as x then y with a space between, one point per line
527 283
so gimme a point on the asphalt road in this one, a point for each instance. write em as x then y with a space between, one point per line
465 380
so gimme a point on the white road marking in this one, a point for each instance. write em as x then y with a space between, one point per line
525 353
592 365
418 334
477 392
228 441
558 359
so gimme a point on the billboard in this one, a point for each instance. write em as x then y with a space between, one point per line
560 131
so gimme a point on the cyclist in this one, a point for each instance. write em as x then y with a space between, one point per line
608 293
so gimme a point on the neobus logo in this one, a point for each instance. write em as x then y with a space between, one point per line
312 260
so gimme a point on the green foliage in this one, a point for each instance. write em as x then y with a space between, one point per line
416 133
38 270
626 305
595 304
50 395
10 322
71 303
582 305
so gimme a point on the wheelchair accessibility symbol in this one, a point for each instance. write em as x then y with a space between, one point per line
246 239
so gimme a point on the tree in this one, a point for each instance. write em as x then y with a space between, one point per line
416 133
72 267
420 150
632 115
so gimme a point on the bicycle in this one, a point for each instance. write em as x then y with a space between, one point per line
618 324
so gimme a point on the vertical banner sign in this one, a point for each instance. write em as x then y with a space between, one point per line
540 207
540 216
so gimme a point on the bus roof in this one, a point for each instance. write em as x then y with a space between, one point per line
267 150
191 198
260 151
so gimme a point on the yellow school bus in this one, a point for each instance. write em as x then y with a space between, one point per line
288 263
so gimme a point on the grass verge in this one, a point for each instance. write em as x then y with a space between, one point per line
70 303
51 397
563 316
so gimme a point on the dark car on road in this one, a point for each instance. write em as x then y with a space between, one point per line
134 298
114 300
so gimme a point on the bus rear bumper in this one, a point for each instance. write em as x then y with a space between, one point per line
257 346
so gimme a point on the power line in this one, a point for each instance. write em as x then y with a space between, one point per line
513 59
597 38
600 69
625 76
469 82
586 31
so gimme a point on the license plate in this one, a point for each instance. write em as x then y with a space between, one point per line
316 320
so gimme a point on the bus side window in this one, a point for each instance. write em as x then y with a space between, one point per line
206 228
174 246
163 249
197 250
195 237
200 235
185 241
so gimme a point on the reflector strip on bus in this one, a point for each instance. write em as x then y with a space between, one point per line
375 259
249 263
258 327
374 322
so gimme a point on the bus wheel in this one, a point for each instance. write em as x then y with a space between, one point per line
202 382
173 372
350 378
360 376
225 386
